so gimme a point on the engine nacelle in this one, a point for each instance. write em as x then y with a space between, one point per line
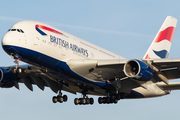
7 78
138 70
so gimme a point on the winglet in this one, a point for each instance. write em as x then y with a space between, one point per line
161 44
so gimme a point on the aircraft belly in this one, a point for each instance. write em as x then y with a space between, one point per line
33 57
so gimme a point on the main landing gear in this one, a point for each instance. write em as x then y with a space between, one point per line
60 98
111 99
84 101
107 100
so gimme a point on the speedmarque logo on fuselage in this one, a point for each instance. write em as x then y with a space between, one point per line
61 42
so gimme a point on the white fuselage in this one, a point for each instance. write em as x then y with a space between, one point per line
51 45
59 46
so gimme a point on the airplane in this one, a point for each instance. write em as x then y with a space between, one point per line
64 62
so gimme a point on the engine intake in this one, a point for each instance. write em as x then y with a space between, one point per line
138 70
7 78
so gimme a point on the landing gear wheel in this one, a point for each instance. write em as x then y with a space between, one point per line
104 100
111 100
100 101
115 101
122 95
60 99
107 100
18 70
54 99
65 98
80 101
83 101
91 101
118 97
87 101
76 101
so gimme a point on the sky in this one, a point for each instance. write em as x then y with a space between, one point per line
125 27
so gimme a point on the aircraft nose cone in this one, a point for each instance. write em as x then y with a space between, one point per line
6 40
6 43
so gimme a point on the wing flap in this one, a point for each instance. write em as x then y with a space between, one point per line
166 63
172 73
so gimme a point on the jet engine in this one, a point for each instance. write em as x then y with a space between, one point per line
138 70
7 78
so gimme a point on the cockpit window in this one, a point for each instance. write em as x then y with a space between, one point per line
22 31
13 29
19 30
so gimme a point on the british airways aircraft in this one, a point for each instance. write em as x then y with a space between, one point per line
64 62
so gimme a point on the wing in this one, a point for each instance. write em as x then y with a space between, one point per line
108 70
42 77
171 86
104 71
30 75
98 76
168 68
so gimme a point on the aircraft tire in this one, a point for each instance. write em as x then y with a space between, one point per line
83 101
87 101
122 95
107 100
115 101
54 99
65 98
91 101
60 99
76 101
100 101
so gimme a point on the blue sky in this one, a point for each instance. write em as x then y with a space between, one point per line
124 27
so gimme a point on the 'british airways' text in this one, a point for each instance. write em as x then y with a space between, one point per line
68 45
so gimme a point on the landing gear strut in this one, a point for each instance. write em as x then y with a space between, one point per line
18 69
17 63
60 98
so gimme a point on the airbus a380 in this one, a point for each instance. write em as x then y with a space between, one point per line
61 61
